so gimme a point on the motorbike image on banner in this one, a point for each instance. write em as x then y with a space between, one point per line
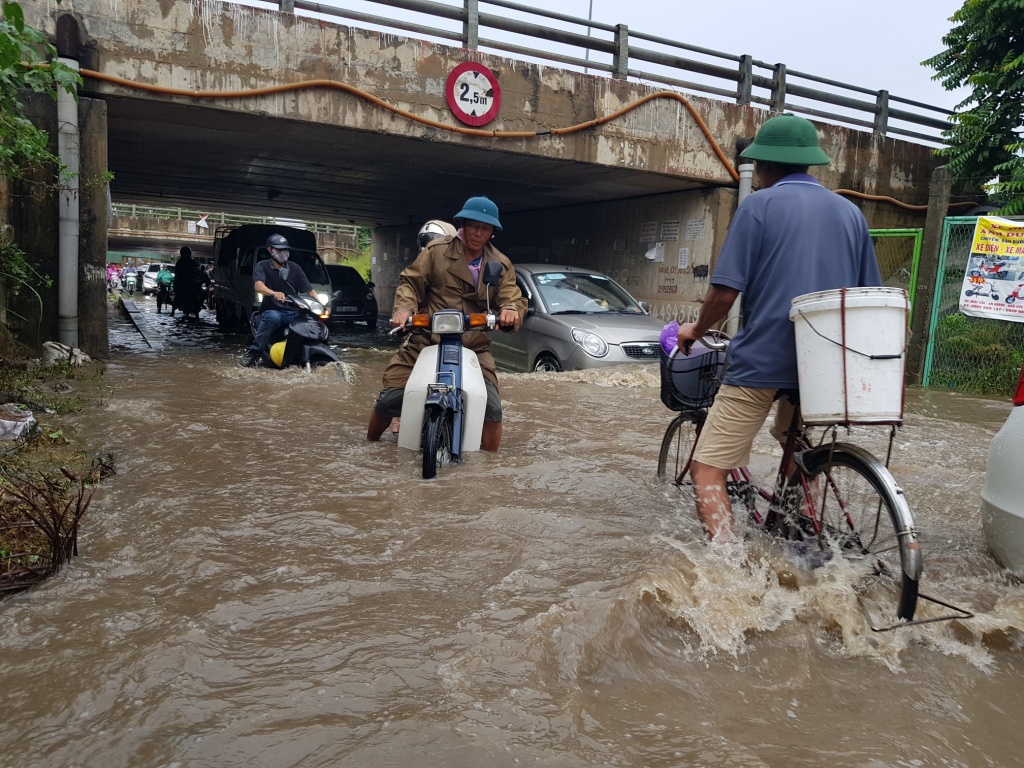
995 271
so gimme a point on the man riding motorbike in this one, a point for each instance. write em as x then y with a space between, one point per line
446 275
164 282
274 279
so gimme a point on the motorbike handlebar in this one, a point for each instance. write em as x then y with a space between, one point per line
472 322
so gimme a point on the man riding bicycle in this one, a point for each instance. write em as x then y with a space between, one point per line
790 238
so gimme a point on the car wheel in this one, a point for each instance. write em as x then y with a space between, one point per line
547 363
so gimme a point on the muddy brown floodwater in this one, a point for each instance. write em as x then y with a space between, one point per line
258 586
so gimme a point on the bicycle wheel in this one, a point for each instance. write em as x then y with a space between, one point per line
437 442
861 510
677 446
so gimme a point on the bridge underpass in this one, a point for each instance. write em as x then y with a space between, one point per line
169 154
601 197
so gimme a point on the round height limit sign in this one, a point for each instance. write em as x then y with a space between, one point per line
474 95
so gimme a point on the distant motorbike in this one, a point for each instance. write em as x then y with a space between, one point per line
446 397
131 281
995 270
164 296
304 341
986 289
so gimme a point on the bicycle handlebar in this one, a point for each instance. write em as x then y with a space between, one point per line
715 340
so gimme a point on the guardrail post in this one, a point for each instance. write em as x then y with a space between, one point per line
882 113
779 88
746 79
620 59
471 26
286 6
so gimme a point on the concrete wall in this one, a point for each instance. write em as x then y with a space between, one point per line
214 46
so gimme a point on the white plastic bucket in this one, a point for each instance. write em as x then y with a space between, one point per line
851 354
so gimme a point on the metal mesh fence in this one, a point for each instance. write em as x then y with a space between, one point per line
973 355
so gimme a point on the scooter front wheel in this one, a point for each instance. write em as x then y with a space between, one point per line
438 436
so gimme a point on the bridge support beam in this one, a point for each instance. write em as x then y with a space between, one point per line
34 208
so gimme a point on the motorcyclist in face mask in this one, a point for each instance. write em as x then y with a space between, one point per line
274 279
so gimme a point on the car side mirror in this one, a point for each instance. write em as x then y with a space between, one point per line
371 284
645 307
492 273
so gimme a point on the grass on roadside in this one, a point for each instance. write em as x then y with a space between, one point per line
46 479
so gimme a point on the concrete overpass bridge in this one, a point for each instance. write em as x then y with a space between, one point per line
218 106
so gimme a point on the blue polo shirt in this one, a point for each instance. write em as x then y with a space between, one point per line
793 238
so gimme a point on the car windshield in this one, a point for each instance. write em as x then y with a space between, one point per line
579 292
342 275
310 261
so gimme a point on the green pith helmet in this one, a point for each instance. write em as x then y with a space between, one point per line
787 139
480 209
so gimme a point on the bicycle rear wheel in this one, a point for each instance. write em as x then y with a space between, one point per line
437 442
860 509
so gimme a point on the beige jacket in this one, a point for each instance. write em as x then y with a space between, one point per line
440 279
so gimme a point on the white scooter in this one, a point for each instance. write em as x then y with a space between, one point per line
446 397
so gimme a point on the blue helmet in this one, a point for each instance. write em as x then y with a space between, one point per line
480 209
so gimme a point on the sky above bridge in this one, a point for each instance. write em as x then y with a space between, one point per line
876 44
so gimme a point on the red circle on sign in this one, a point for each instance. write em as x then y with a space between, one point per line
473 93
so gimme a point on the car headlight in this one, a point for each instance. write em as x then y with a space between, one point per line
323 298
592 344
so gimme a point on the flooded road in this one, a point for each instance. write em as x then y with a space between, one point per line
258 586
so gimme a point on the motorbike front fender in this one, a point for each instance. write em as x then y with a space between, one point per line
315 351
474 399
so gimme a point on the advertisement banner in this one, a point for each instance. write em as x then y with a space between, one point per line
993 283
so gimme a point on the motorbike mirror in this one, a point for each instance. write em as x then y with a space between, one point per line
492 273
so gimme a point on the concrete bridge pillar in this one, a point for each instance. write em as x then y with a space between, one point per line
33 207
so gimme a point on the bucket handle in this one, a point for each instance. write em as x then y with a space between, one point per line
843 346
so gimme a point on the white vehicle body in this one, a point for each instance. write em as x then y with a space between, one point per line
424 374
1002 497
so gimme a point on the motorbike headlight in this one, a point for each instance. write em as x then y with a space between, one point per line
447 322
592 344
316 307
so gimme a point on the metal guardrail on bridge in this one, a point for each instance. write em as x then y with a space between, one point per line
131 210
739 78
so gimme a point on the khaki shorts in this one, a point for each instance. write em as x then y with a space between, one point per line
733 422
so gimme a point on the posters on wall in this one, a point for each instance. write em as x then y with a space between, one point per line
993 284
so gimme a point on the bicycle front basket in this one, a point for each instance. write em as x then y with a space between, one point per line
689 382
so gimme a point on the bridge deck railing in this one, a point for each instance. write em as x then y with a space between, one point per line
213 220
624 53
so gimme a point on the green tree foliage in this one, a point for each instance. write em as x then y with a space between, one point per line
985 53
1010 186
27 63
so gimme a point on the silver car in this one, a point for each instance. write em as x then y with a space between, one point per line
1002 497
577 318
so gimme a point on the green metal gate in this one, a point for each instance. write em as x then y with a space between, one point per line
973 355
899 254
